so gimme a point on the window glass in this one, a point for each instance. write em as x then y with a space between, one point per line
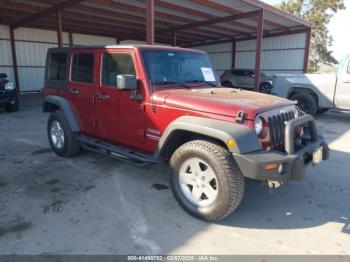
348 71
166 66
57 68
116 64
247 73
83 68
241 72
235 72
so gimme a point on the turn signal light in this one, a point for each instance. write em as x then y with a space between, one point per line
231 143
270 166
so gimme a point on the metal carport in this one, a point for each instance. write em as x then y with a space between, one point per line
176 22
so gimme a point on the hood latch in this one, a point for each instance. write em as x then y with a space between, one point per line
240 117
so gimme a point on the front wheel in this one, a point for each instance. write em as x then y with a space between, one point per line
306 102
13 107
206 180
265 88
62 140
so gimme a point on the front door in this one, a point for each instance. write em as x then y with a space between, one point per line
342 95
120 118
81 91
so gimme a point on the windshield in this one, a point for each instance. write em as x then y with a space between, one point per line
178 67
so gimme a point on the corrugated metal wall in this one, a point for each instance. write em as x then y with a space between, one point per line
280 54
5 52
220 55
31 48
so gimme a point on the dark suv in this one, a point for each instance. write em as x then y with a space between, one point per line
8 94
146 104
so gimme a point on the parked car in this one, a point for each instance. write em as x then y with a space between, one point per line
316 92
148 104
8 94
244 78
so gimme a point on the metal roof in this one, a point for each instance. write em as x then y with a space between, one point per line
129 46
126 19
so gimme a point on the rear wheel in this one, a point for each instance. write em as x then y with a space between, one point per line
206 180
62 140
306 102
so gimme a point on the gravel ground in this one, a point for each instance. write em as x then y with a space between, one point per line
92 204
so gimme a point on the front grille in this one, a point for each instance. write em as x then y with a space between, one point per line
276 127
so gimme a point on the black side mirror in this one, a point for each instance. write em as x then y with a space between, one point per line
126 82
3 75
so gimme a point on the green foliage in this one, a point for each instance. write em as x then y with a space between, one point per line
318 12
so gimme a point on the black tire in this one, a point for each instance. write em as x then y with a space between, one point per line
13 107
265 88
306 102
227 84
71 145
230 188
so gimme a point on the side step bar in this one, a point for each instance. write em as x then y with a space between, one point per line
118 152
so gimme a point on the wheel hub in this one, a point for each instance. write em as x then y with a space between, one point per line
57 134
198 182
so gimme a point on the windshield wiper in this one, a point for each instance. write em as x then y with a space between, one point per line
172 83
202 81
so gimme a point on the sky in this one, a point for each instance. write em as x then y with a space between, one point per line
339 28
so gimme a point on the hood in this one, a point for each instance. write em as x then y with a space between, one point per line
221 101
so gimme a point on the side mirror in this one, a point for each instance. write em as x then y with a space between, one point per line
126 82
3 75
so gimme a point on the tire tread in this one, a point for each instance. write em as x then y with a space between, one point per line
231 170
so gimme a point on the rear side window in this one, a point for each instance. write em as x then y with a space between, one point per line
116 64
83 67
238 72
57 66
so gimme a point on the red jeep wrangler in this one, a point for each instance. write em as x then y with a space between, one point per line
147 104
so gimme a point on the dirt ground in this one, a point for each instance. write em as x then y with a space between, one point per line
92 204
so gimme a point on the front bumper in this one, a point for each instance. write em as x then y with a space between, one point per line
7 98
294 162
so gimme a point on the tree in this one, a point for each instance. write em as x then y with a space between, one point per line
318 12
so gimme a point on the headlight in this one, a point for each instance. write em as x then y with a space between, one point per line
260 127
9 86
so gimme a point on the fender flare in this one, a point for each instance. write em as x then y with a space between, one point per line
304 89
246 139
66 109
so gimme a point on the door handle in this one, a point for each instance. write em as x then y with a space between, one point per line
102 96
74 91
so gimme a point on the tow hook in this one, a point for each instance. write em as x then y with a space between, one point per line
273 184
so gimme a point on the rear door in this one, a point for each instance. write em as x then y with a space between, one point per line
82 89
342 95
120 118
